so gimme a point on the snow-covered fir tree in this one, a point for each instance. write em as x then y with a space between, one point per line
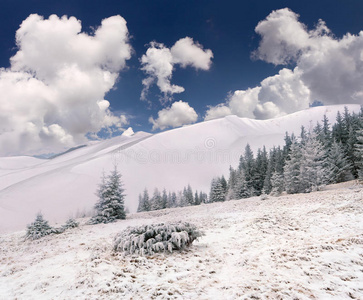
312 165
196 198
292 169
144 202
277 184
217 192
188 194
359 148
38 228
203 197
110 205
338 167
156 201
232 184
164 198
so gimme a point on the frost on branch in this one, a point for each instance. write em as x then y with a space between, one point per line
149 239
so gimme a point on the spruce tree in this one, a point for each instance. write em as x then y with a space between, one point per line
292 169
312 170
339 168
232 185
188 194
144 201
203 197
277 184
156 202
196 198
217 192
38 228
164 199
359 148
110 205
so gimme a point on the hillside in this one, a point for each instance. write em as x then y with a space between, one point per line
65 185
302 246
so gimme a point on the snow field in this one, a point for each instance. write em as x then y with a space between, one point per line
303 246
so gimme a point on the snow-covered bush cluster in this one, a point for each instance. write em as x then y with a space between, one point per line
41 227
71 223
149 239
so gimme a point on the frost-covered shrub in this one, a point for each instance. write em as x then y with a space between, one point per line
149 239
71 223
38 228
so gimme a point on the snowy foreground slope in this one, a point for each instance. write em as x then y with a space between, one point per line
65 186
302 246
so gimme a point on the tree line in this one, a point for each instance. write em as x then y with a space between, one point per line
324 155
165 199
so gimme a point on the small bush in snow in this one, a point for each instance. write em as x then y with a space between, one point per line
263 196
38 228
71 223
149 239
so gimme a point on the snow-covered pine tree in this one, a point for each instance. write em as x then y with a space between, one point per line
164 198
338 166
196 198
38 228
156 200
326 133
359 148
338 131
188 194
217 193
277 184
231 184
181 199
110 205
144 202
247 164
312 167
303 135
203 197
242 190
173 200
140 206
292 169
259 174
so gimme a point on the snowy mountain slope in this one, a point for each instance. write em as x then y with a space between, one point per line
194 154
302 246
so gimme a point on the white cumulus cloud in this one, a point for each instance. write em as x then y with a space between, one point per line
52 96
159 62
325 68
178 114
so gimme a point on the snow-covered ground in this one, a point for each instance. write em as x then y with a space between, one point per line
305 246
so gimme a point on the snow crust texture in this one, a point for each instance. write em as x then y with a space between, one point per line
303 246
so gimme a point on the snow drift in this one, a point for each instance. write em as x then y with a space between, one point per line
65 185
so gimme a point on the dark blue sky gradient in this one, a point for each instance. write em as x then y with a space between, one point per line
225 27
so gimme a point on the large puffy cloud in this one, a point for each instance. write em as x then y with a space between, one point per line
52 96
326 69
159 61
180 113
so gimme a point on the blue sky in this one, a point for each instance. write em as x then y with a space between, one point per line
231 83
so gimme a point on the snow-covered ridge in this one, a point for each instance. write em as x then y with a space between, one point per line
65 186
